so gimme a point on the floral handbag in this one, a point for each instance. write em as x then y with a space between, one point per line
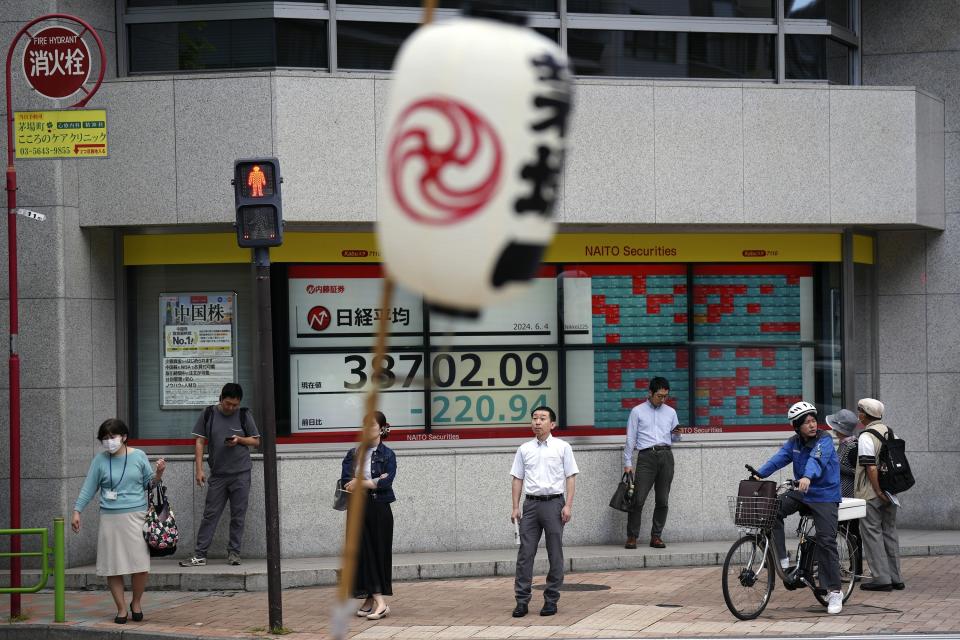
160 527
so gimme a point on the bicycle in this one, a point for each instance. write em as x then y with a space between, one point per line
747 576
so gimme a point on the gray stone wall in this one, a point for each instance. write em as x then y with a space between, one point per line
919 271
67 311
459 499
640 153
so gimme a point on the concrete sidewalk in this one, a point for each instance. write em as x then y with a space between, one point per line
665 602
305 572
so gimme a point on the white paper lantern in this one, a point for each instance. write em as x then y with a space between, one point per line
473 152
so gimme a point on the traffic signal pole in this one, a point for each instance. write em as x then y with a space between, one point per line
259 225
268 439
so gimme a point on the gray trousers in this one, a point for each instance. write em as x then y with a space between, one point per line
654 469
881 546
540 517
236 489
824 516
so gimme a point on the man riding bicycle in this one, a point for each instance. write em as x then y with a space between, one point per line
817 469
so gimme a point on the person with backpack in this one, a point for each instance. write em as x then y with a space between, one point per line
228 430
878 530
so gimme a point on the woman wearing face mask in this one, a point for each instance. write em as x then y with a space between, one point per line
377 471
123 475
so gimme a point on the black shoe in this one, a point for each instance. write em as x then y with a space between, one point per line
520 610
549 609
120 619
136 616
870 586
898 586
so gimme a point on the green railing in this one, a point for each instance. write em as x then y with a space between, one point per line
59 577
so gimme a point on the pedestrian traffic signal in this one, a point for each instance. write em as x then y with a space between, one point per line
256 185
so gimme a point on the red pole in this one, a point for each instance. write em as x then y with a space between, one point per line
14 362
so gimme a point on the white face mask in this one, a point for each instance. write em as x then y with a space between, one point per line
112 444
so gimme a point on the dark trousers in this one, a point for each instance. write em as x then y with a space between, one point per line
540 517
654 470
220 489
375 566
825 521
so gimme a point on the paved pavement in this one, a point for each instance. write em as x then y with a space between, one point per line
306 572
676 601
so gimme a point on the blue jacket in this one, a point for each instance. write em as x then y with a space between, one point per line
384 460
816 460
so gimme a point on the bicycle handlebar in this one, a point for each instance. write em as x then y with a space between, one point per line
789 483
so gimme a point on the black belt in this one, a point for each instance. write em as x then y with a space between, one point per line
543 498
656 447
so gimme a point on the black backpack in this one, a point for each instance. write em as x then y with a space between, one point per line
893 470
208 418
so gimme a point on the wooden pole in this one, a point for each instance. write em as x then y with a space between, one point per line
358 498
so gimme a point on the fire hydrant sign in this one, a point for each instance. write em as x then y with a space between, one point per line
66 133
56 62
198 347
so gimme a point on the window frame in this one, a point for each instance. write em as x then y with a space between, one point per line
561 20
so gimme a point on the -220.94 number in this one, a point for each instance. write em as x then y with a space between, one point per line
483 408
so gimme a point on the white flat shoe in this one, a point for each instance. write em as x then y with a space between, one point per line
379 614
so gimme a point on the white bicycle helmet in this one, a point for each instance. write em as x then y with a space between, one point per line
799 410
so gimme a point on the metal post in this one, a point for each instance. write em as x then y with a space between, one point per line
59 569
847 314
14 358
268 436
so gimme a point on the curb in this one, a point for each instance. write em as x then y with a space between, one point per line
21 631
256 580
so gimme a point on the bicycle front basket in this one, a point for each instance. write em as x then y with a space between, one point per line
754 512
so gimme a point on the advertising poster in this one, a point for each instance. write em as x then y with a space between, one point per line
197 347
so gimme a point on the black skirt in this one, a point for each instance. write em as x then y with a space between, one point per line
375 568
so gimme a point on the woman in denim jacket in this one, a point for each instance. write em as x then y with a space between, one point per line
375 569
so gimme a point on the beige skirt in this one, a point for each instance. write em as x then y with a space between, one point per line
121 549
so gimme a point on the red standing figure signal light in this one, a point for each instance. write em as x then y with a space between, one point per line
257 193
256 180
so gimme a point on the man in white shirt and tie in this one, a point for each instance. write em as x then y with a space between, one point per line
650 434
544 471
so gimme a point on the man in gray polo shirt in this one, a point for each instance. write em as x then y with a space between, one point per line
228 431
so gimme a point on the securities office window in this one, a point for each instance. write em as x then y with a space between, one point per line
191 329
459 378
603 385
756 322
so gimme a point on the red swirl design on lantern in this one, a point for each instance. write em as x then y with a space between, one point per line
455 157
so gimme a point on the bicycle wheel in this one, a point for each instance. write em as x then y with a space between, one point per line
747 578
849 567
